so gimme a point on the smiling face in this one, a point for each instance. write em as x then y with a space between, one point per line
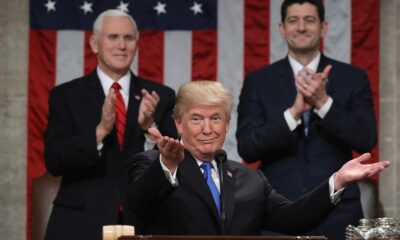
302 28
203 130
115 45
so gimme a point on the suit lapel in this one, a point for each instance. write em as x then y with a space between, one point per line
95 93
287 81
228 190
135 97
191 173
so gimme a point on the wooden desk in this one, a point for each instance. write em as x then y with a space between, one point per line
162 237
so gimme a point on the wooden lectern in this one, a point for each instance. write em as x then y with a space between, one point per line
163 237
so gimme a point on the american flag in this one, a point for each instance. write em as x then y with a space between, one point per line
183 40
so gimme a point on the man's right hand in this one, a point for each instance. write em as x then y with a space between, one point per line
171 149
107 117
299 106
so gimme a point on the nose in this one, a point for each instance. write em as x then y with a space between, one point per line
207 127
301 26
121 43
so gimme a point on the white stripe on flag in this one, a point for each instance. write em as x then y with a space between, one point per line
278 47
177 58
70 58
231 60
134 65
337 42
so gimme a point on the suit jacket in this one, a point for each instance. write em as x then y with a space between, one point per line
295 163
93 184
188 209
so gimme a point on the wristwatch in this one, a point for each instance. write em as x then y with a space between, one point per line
153 125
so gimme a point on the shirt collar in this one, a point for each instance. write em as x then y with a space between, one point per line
213 162
106 82
297 67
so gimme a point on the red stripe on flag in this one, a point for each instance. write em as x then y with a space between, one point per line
151 55
90 58
204 55
365 47
256 39
42 67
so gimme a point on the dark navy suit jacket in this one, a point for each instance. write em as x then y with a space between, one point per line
250 203
295 163
93 185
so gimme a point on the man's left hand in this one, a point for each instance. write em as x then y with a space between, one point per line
355 170
147 108
313 86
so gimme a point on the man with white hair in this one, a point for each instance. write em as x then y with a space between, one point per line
93 123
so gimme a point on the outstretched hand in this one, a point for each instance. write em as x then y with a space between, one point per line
171 149
355 170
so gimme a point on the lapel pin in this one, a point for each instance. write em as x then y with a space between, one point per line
137 97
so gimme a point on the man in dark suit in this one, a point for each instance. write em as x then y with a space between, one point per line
174 192
92 126
303 115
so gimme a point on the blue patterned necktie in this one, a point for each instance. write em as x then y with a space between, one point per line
206 166
306 120
306 115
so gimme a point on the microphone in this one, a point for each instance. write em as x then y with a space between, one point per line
220 157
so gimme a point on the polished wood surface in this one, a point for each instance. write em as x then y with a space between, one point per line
162 237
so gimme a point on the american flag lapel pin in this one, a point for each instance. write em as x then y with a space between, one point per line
229 173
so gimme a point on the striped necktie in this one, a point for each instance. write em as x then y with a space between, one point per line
120 114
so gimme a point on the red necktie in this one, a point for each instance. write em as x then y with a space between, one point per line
120 114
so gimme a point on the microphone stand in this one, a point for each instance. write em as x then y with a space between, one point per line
220 157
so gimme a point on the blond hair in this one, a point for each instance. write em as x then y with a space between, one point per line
202 93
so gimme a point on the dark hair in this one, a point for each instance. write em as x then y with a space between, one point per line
317 3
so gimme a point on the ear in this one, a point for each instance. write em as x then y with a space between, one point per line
93 44
282 29
178 124
227 127
324 28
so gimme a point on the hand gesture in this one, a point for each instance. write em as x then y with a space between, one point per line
299 106
355 170
171 149
312 86
107 117
147 108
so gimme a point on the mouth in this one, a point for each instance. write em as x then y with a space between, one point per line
207 141
120 55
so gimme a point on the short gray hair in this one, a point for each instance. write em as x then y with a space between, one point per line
98 23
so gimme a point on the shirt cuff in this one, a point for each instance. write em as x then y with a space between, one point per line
291 122
324 109
99 148
335 196
148 143
171 177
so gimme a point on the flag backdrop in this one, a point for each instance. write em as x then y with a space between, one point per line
183 40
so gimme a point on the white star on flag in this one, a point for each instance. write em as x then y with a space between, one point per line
51 6
160 8
123 6
196 8
87 7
